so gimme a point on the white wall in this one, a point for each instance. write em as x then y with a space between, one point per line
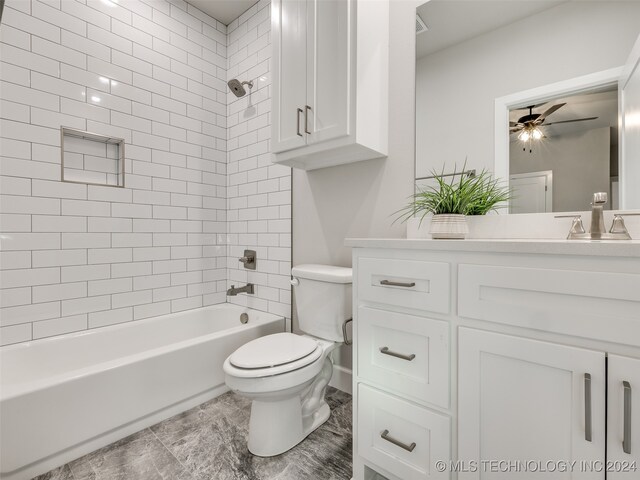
259 193
456 87
579 161
359 200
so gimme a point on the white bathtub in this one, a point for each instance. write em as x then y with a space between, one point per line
63 397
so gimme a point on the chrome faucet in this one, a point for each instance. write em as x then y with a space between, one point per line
618 230
233 291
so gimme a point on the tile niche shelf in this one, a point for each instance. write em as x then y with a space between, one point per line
91 158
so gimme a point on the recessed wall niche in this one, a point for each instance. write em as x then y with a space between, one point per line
91 158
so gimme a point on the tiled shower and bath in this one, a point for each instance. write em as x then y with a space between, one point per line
199 188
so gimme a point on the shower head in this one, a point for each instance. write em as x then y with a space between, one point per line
237 87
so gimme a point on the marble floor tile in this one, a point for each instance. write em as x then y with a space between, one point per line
209 442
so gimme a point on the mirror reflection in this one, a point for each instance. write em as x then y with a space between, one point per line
553 66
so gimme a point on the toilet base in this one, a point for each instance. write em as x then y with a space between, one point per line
279 424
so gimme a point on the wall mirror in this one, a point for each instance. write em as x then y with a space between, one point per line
529 90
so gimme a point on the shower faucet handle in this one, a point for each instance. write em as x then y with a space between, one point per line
249 259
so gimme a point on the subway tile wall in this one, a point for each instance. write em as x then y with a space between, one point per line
199 185
258 192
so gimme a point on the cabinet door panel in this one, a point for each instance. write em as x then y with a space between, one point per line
624 380
523 400
289 32
328 62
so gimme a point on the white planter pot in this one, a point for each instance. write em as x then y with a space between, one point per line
449 227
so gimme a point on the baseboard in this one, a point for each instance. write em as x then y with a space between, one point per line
341 379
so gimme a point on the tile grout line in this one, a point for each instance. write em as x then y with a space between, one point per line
188 470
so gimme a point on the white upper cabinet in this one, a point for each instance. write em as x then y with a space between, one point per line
330 82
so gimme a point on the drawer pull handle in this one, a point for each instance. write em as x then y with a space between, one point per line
587 407
397 284
626 443
386 351
408 448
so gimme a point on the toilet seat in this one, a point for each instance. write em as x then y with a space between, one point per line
273 355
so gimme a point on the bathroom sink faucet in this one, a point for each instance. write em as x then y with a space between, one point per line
618 230
233 291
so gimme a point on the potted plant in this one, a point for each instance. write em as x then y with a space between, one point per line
451 201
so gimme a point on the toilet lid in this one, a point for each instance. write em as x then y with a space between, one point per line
273 350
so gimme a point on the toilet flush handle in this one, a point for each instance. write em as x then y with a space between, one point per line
295 282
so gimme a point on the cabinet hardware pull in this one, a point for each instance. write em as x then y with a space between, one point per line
408 448
626 443
386 351
587 407
307 109
397 284
298 122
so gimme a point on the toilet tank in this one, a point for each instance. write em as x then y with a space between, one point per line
323 299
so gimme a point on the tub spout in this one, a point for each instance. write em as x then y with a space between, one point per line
233 291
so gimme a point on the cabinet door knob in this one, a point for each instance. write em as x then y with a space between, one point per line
307 109
298 121
385 436
587 407
626 442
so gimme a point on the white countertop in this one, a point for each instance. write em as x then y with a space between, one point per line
615 248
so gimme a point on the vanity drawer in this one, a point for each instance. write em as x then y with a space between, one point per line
407 354
600 305
416 438
406 283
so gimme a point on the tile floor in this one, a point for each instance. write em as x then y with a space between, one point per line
208 442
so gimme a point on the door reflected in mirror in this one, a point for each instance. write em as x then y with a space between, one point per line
554 148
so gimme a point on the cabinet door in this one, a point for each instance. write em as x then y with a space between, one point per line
289 33
623 454
529 403
328 68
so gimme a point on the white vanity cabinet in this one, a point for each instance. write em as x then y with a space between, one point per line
330 81
494 357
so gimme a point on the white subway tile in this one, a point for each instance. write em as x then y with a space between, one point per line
131 239
59 291
115 285
130 299
58 52
30 277
151 281
59 326
169 293
153 253
13 260
85 305
11 297
151 310
15 334
56 258
85 13
109 255
186 303
55 223
84 272
132 269
30 241
10 222
85 240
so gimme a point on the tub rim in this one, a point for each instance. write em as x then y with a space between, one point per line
11 392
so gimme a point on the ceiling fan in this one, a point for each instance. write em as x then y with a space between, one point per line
529 123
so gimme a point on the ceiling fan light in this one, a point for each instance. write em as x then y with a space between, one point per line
536 134
524 136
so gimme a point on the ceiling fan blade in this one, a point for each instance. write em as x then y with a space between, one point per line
571 121
513 124
549 111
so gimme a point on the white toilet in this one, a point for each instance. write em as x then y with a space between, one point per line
286 375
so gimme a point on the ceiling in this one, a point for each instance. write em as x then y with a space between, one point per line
452 22
602 104
225 11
